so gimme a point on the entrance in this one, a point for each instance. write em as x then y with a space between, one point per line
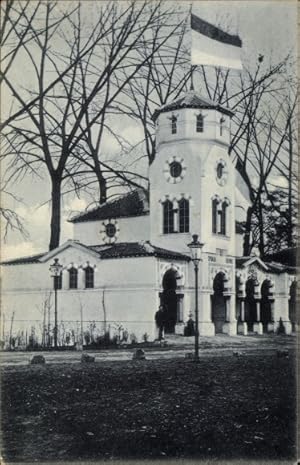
218 304
250 304
168 299
266 305
292 305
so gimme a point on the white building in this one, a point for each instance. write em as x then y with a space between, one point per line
130 254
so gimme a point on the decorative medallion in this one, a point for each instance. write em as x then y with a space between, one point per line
109 231
174 170
221 172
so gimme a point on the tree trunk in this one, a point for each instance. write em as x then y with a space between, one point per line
290 193
261 245
247 245
55 212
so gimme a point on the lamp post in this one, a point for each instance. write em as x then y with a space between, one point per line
196 253
55 270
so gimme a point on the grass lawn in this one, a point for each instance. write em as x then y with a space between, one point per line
226 407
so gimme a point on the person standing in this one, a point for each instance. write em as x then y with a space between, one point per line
159 320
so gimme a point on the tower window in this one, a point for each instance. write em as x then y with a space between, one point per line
174 124
223 219
73 278
222 121
168 217
184 216
214 215
199 123
89 277
219 216
220 170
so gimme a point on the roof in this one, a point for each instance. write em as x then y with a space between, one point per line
118 250
24 260
286 257
134 203
192 100
272 266
137 249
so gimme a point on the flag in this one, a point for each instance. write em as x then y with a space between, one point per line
213 47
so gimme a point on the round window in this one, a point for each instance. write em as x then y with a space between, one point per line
110 230
220 170
175 169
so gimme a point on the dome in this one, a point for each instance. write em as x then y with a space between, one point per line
191 100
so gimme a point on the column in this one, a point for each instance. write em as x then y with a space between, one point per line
81 278
242 325
206 326
271 325
281 311
230 326
257 326
65 279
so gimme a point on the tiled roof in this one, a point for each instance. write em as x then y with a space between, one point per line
24 260
134 203
286 257
191 100
137 249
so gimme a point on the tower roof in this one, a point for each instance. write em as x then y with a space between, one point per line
192 100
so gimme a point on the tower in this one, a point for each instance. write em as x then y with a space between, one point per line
192 181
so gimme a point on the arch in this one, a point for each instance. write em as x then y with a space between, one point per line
89 277
250 303
169 300
184 215
73 278
266 304
168 217
218 304
292 305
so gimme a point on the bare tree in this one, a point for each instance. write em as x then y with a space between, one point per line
48 134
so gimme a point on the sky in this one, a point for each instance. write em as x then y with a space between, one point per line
268 28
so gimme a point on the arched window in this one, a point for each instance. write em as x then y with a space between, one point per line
199 123
168 217
223 218
174 124
184 216
73 278
214 215
89 277
222 121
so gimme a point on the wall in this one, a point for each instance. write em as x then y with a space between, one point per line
127 286
131 229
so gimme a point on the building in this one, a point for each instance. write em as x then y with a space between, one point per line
131 254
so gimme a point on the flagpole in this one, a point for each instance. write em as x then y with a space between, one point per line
192 67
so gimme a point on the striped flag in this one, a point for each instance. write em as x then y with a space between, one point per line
213 47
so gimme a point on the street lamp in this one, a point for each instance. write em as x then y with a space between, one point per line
55 270
196 253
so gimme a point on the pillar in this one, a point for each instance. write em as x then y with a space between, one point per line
206 326
281 310
230 326
81 278
257 326
271 325
242 325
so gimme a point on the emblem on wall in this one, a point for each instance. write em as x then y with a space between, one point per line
221 172
174 169
109 231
